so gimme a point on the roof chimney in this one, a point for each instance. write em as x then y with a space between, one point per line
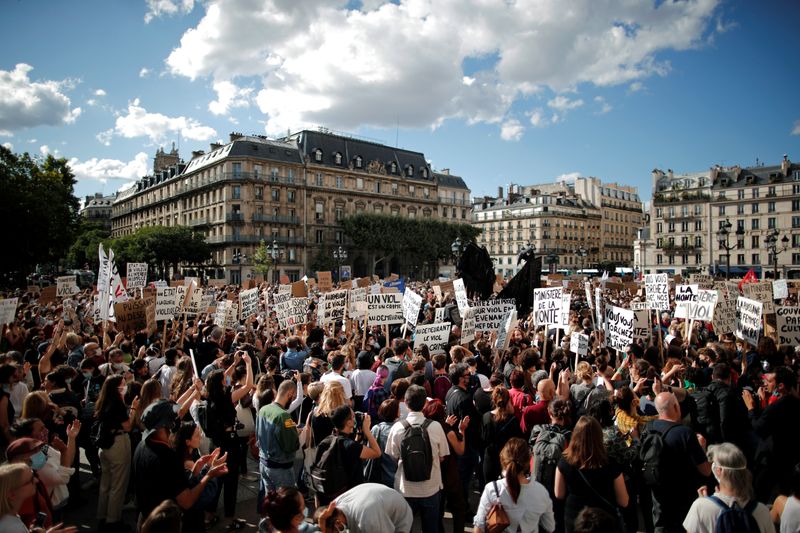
197 153
500 191
445 171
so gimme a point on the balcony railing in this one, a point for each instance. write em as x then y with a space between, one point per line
275 219
255 239
234 217
195 222
680 196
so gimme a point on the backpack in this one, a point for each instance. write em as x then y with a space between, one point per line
582 407
547 446
397 369
416 452
328 474
706 418
440 387
373 468
208 421
653 446
735 519
373 400
100 437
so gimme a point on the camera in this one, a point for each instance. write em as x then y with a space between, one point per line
359 417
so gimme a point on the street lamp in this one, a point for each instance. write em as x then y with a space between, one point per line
581 253
340 255
238 258
772 247
457 247
274 252
722 237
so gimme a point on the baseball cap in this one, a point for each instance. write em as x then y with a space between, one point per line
160 414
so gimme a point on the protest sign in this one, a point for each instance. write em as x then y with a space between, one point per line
220 313
345 272
285 289
724 320
547 306
284 279
291 312
788 325
332 306
375 288
468 326
702 308
657 291
325 281
446 286
248 302
232 315
461 295
434 336
398 285
598 306
137 276
441 315
684 294
194 305
641 324
411 304
299 289
566 301
363 283
66 286
385 309
703 281
489 314
131 315
165 302
749 319
357 306
780 289
504 334
437 292
761 292
579 343
8 310
213 282
638 306
619 327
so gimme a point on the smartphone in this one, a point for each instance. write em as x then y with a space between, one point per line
41 518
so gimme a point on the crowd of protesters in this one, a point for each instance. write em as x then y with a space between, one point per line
334 416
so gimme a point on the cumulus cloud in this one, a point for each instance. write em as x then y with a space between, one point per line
9 146
25 103
796 129
330 63
635 87
511 130
44 149
605 107
562 103
229 96
158 8
144 72
104 169
568 177
138 122
538 120
99 92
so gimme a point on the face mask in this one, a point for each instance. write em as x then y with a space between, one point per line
538 398
68 380
227 381
714 471
38 460
7 387
305 511
87 375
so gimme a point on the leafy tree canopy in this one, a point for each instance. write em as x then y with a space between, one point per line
161 247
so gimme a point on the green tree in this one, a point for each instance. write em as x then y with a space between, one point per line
161 247
38 211
262 260
85 246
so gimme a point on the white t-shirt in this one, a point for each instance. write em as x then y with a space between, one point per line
790 519
362 381
702 516
439 449
12 524
333 376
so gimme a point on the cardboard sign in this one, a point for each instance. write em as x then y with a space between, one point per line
780 289
434 336
325 281
47 295
788 325
638 306
684 294
166 298
137 276
703 281
579 343
760 292
437 292
332 307
504 335
299 289
8 310
291 312
284 279
219 283
657 291
398 284
724 316
357 306
566 302
490 314
702 308
547 306
363 283
441 315
411 304
66 286
619 327
641 324
248 302
385 309
446 286
749 319
468 326
132 315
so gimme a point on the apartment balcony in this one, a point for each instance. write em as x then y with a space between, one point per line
234 217
680 248
198 222
254 239
680 196
275 219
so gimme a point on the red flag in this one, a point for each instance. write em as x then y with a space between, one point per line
750 277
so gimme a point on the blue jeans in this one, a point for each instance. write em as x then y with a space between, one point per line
273 479
428 509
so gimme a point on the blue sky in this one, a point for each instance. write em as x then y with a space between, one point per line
519 92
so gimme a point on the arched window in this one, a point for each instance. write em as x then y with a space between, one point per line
409 170
393 168
318 155
359 162
424 172
337 158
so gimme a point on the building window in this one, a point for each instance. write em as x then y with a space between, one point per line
754 224
771 207
256 171
698 225
771 191
339 236
755 208
796 222
276 195
409 170
339 182
359 183
320 180
290 175
741 194
684 226
755 192
795 205
392 168
337 158
395 210
339 213
659 227
236 193
290 196
754 242
771 222
378 187
319 211
740 259
698 242
318 155
412 191
394 188
671 227
740 209
318 236
795 259
722 210
259 191
358 162
698 259
756 259
237 170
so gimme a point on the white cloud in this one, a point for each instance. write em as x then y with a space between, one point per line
25 103
9 146
104 169
511 130
605 107
229 96
562 103
99 92
568 177
796 129
144 72
538 120
157 127
33 141
635 87
44 149
157 8
328 63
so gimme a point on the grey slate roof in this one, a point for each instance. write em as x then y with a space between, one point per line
451 181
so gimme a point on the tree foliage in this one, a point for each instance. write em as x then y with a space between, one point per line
84 248
161 247
415 240
38 210
262 260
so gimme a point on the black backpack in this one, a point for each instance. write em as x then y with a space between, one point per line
735 519
651 452
209 422
328 474
100 436
547 445
707 419
416 452
582 407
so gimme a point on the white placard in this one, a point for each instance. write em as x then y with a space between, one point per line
248 301
566 302
468 326
641 324
220 313
749 319
703 306
598 307
780 289
639 306
788 325
332 306
724 316
166 298
547 306
619 327
357 305
579 343
385 309
435 336
504 334
656 288
461 295
8 310
66 286
761 292
137 276
411 304
684 294
291 312
441 315
489 314
703 281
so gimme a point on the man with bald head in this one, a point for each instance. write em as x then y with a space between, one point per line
683 465
536 414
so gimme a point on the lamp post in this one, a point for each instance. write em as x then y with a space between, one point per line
274 252
581 252
457 247
237 258
772 247
340 255
723 233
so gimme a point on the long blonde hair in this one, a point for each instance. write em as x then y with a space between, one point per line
10 479
332 397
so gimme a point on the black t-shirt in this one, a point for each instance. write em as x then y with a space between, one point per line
680 459
158 475
206 354
580 494
113 416
351 452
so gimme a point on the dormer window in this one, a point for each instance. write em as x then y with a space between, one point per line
392 168
337 158
409 171
424 173
358 161
318 156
